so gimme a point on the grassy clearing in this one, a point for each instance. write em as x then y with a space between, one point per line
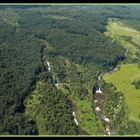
121 79
58 17
127 37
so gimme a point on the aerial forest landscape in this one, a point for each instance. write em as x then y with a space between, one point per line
70 70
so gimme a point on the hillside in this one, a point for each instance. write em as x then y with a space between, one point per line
126 76
123 79
50 60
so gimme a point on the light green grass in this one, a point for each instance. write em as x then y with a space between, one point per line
58 17
86 117
121 79
125 36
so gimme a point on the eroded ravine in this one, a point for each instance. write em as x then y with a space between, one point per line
98 100
55 83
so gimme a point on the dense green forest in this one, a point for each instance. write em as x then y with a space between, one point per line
72 39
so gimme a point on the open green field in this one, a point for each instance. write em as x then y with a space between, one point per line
127 37
122 80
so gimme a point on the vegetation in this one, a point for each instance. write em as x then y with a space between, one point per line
76 42
53 113
113 105
80 94
129 127
20 64
122 81
137 84
125 36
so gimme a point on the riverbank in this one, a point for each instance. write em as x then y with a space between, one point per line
98 98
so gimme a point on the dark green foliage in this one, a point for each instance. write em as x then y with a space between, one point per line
82 41
82 93
18 124
113 105
57 110
136 84
59 114
20 63
129 127
78 37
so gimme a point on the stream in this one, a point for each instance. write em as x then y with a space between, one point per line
98 100
55 83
